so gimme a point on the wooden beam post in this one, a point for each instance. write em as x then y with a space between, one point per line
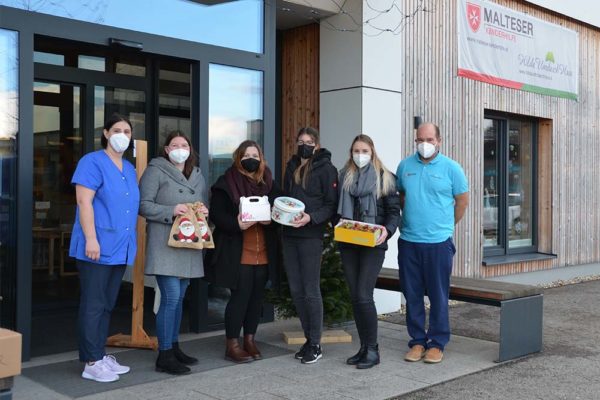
138 338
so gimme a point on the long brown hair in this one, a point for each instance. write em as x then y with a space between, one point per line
238 154
303 171
385 179
192 160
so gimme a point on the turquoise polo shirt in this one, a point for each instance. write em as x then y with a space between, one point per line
429 190
115 204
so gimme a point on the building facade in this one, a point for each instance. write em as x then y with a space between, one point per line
204 68
224 71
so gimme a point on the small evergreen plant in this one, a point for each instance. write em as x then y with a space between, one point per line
337 306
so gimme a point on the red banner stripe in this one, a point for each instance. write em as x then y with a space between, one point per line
489 79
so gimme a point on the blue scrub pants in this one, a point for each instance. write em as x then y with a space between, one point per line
425 269
99 286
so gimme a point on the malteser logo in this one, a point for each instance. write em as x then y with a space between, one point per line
474 16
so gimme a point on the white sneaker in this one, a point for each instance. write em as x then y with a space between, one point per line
114 366
99 372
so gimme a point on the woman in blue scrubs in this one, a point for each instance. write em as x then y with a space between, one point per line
103 241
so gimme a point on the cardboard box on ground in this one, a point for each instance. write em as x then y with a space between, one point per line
10 353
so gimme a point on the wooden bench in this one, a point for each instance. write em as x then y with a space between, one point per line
521 309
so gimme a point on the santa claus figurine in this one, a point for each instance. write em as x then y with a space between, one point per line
187 232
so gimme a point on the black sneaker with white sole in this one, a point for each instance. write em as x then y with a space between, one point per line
300 353
313 354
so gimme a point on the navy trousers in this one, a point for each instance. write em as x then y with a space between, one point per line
100 286
425 269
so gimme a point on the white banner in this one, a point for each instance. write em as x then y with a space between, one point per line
503 47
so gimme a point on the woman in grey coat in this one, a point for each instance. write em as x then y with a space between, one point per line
169 182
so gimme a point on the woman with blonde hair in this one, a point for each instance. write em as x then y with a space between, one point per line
367 194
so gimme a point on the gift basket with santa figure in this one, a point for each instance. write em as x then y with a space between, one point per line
190 230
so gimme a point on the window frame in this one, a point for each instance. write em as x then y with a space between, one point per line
502 248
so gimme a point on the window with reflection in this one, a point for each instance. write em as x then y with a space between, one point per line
85 56
235 114
9 129
174 99
233 24
509 181
127 102
58 146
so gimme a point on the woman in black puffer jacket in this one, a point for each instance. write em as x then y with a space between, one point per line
311 178
367 194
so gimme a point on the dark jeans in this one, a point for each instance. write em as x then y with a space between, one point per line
100 286
426 267
361 267
245 304
302 261
168 317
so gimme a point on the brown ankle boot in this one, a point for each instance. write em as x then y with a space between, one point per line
233 352
251 348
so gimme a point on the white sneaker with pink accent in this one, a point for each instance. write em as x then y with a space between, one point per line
114 366
99 372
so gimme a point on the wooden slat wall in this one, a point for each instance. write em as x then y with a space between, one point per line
432 90
300 84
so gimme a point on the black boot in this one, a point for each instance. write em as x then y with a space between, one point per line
166 362
356 358
182 357
370 358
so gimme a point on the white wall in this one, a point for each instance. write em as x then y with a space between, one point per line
361 93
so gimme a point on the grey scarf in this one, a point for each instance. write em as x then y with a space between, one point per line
363 190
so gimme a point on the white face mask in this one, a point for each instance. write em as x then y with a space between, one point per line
361 160
119 142
179 156
426 150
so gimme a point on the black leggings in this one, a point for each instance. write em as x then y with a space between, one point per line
361 267
302 260
245 304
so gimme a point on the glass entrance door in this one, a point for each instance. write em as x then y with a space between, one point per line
60 140
76 88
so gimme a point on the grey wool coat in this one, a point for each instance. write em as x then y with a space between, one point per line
162 187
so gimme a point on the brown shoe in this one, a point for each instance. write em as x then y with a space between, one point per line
233 352
251 348
415 353
433 356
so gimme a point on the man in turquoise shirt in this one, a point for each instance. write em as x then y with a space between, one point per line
434 195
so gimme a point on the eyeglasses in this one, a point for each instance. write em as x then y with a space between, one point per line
308 143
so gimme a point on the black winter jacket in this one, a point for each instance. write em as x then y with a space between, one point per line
320 196
222 264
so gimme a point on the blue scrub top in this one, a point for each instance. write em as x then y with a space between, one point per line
115 204
429 190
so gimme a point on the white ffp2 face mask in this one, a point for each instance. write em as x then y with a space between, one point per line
426 150
361 160
179 156
119 142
